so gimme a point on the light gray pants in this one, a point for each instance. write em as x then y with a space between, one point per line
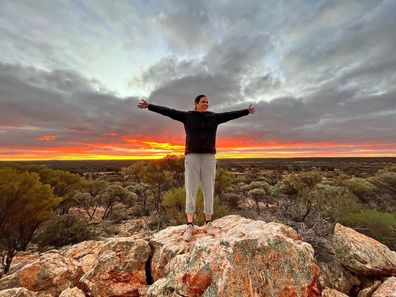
200 170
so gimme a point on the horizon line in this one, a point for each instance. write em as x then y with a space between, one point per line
182 156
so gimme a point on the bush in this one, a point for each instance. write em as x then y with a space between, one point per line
174 203
362 189
25 204
385 183
63 230
378 225
119 214
335 202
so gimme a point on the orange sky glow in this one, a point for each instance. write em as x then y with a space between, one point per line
129 148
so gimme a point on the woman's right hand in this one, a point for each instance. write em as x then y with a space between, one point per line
142 104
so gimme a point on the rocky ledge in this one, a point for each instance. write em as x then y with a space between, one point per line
243 258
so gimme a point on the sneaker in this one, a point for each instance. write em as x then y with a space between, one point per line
188 233
209 228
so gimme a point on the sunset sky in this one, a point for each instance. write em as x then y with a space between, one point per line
321 75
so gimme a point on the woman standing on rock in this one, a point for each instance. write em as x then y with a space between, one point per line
200 126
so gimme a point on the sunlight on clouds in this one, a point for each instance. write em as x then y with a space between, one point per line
47 138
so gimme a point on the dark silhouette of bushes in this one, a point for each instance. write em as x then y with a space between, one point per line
63 230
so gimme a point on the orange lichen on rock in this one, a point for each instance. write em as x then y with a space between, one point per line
197 283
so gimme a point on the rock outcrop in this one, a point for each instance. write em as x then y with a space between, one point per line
51 273
386 289
327 292
17 292
72 292
368 290
244 258
334 275
362 254
120 268
85 253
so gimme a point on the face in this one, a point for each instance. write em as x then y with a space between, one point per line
203 104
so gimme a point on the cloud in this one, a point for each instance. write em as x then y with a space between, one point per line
221 74
317 72
326 54
65 105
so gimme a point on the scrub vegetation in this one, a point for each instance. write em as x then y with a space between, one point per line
45 206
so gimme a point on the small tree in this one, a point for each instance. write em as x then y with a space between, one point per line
25 204
63 230
112 194
298 190
63 183
135 171
175 165
88 196
159 181
141 198
335 202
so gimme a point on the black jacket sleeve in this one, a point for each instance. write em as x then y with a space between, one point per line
231 115
172 113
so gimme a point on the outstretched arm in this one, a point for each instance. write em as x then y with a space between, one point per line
232 115
172 113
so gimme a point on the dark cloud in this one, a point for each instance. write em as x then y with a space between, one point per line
197 26
236 55
180 93
185 24
221 74
261 85
168 69
67 106
361 42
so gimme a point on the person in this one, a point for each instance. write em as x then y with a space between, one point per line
200 149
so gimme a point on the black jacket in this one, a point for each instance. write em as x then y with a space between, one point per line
200 127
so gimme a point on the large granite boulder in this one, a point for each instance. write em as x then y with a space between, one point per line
244 258
72 292
362 254
22 259
386 289
51 273
17 292
85 253
334 275
327 292
368 289
120 268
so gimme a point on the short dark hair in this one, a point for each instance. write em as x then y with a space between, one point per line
198 98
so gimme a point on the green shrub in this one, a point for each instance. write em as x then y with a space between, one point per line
378 225
118 214
361 188
63 230
25 204
174 203
335 202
